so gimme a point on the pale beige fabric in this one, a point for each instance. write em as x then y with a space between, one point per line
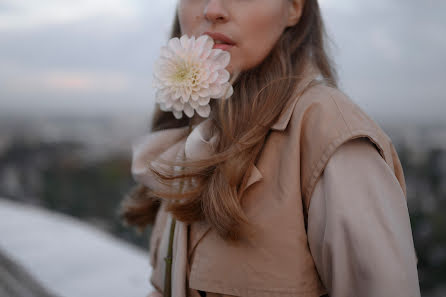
276 260
361 246
362 249
359 229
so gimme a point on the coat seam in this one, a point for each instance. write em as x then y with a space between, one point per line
340 112
318 167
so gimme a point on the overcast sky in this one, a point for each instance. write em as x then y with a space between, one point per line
87 56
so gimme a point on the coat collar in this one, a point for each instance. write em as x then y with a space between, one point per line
310 73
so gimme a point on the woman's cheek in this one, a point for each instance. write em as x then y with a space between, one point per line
259 36
253 52
189 17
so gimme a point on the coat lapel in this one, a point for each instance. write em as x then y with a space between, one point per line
201 228
310 74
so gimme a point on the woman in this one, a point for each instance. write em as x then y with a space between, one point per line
237 220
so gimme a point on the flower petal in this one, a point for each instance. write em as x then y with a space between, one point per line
220 58
198 47
223 76
229 92
175 45
204 100
166 53
163 107
184 95
204 111
205 42
188 110
204 92
204 73
159 95
176 94
226 91
177 114
213 77
216 90
178 106
194 104
185 42
168 104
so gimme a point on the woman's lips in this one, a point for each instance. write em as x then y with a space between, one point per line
223 46
222 41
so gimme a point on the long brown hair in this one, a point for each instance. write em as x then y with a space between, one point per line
242 123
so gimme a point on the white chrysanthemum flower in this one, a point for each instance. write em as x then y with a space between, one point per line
189 73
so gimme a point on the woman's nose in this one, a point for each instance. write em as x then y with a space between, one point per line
216 12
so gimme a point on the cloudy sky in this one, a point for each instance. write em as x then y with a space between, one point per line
95 56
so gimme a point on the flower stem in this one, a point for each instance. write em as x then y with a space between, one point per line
169 258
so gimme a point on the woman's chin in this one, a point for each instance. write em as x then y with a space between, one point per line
234 69
230 69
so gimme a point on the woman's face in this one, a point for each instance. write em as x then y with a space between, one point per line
247 29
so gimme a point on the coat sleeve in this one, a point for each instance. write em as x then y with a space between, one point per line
359 229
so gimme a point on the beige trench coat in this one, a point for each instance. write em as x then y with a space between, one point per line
357 241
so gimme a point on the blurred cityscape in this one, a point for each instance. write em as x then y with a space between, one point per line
75 165
80 166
